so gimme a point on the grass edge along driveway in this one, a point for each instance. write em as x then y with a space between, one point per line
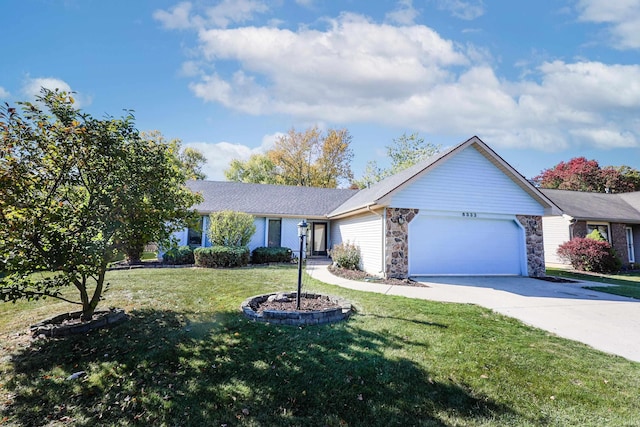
188 357
626 284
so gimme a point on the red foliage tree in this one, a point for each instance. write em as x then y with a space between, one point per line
580 174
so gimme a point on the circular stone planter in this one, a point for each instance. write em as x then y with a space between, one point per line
341 310
69 323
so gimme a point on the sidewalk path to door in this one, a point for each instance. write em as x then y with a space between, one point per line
605 322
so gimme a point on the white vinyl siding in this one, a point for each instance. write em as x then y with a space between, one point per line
290 237
288 233
365 231
258 238
467 182
556 231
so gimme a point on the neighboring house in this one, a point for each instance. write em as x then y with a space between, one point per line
616 216
462 212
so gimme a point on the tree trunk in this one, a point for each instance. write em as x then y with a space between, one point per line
133 253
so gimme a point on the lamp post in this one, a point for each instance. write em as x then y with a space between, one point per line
302 231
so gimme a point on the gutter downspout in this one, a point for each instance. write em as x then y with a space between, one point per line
572 221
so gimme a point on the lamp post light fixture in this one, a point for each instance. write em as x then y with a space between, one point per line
302 232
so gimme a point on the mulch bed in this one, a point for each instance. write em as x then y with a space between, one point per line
366 277
306 304
555 279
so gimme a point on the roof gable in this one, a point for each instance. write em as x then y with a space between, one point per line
381 193
466 182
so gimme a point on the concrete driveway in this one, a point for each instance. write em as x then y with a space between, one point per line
603 321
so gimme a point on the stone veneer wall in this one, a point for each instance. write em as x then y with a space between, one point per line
535 244
397 242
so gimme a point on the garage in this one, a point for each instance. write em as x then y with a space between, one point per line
465 244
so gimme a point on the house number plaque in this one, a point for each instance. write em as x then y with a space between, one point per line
469 214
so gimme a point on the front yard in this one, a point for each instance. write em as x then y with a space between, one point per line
627 284
187 357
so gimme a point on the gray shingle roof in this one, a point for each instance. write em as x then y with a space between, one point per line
622 207
264 199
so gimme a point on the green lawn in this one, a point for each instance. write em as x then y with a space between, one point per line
187 357
627 284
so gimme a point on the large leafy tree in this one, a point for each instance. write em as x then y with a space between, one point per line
258 169
309 158
73 190
403 152
580 174
139 234
191 159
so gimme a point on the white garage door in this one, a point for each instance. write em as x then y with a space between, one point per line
465 245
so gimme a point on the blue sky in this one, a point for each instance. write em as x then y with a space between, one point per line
539 81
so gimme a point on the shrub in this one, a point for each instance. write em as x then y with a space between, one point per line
265 255
229 228
587 254
178 256
221 256
596 235
346 255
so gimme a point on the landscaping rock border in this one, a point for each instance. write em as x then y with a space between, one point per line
343 310
63 325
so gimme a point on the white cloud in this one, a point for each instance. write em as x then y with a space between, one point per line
467 10
226 12
219 155
384 63
177 18
358 71
32 86
622 16
4 93
405 13
233 11
607 138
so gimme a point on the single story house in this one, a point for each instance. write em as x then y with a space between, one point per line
616 216
464 211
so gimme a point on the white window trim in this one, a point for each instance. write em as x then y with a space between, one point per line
630 247
266 229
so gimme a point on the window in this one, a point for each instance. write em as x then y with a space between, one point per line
194 235
603 228
274 230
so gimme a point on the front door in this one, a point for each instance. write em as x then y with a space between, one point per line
319 238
